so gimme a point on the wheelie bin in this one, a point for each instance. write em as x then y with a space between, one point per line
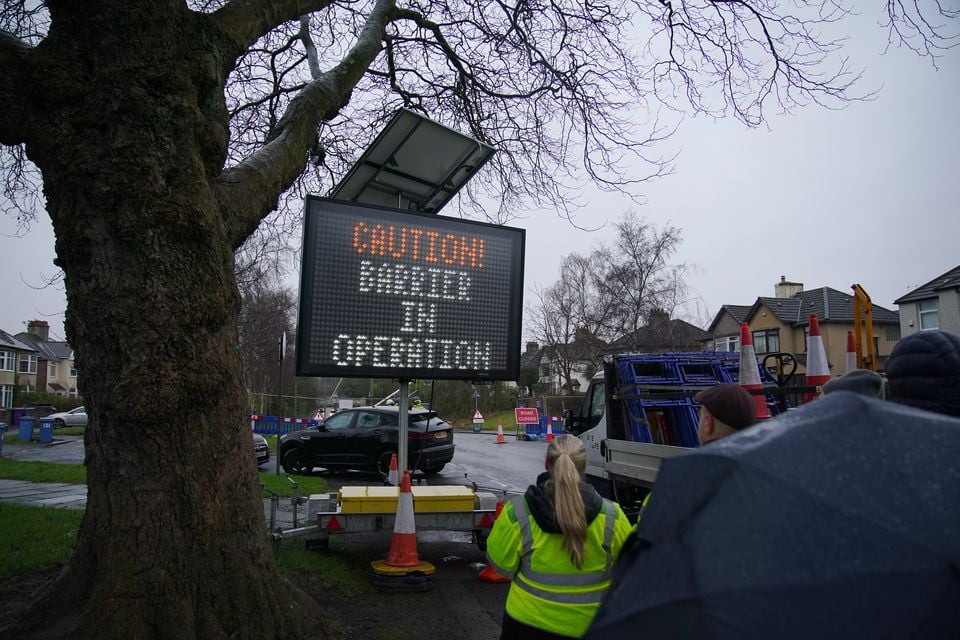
26 428
46 430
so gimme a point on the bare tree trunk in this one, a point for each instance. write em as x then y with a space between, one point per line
173 495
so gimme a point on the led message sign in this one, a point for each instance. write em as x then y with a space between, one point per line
392 294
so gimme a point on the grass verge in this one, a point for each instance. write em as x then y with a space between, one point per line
280 485
36 538
345 571
33 471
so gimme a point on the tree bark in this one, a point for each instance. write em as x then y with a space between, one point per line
173 543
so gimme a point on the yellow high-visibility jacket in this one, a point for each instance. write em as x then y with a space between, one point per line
548 591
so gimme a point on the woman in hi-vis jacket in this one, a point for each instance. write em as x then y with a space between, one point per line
558 543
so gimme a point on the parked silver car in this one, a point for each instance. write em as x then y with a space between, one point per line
73 418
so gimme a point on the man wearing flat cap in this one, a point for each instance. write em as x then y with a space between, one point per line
726 408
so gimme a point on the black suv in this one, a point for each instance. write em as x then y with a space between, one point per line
365 438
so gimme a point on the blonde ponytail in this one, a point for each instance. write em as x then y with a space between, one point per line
567 459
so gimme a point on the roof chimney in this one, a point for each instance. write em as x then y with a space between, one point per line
784 289
39 328
658 317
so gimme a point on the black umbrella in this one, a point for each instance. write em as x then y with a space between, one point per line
840 519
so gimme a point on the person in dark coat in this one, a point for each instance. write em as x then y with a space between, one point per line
923 371
866 383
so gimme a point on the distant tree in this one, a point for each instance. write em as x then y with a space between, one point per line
529 377
267 311
564 319
635 278
162 134
606 296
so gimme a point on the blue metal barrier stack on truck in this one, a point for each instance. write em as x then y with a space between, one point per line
641 409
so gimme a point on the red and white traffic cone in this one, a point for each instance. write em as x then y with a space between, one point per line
750 371
851 359
549 431
402 558
818 371
489 574
500 439
392 477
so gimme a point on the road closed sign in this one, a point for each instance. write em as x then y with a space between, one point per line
527 415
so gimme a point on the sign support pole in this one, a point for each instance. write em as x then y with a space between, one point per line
404 425
282 347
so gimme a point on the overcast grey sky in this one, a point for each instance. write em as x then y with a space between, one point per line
868 194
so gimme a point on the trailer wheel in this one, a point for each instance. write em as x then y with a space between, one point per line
479 539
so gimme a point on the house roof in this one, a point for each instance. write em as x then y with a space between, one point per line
669 335
829 304
948 280
739 312
49 350
7 340
584 348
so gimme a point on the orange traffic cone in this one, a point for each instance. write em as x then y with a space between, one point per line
549 432
818 371
851 359
392 478
750 372
402 558
500 439
489 574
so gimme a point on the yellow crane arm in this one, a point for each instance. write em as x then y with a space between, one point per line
863 322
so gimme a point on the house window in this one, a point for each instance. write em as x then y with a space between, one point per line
929 317
892 333
6 395
766 341
7 360
28 363
727 343
52 370
73 369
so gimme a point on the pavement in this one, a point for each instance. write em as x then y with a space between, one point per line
69 449
45 494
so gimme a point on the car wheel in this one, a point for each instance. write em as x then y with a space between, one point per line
383 464
432 471
58 423
294 462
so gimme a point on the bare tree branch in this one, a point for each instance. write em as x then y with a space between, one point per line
921 30
14 84
246 21
250 190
